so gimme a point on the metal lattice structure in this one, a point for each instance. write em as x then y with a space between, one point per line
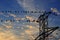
43 27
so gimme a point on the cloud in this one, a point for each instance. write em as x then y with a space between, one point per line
30 27
4 14
12 15
31 31
17 18
30 18
28 33
8 26
55 11
26 4
29 5
34 28
7 35
1 13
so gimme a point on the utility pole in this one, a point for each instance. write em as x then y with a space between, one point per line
43 26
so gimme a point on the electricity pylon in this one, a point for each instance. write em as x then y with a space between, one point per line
43 26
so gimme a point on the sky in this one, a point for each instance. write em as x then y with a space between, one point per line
23 30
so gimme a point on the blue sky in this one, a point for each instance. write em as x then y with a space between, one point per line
23 28
9 5
44 4
41 4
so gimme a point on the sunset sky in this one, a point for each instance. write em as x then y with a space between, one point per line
24 30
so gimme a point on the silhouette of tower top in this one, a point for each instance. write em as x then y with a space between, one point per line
43 26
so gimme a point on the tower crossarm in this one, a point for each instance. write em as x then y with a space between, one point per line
49 32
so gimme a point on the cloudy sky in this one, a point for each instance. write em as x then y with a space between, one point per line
22 30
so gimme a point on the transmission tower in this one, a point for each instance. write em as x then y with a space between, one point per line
44 30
